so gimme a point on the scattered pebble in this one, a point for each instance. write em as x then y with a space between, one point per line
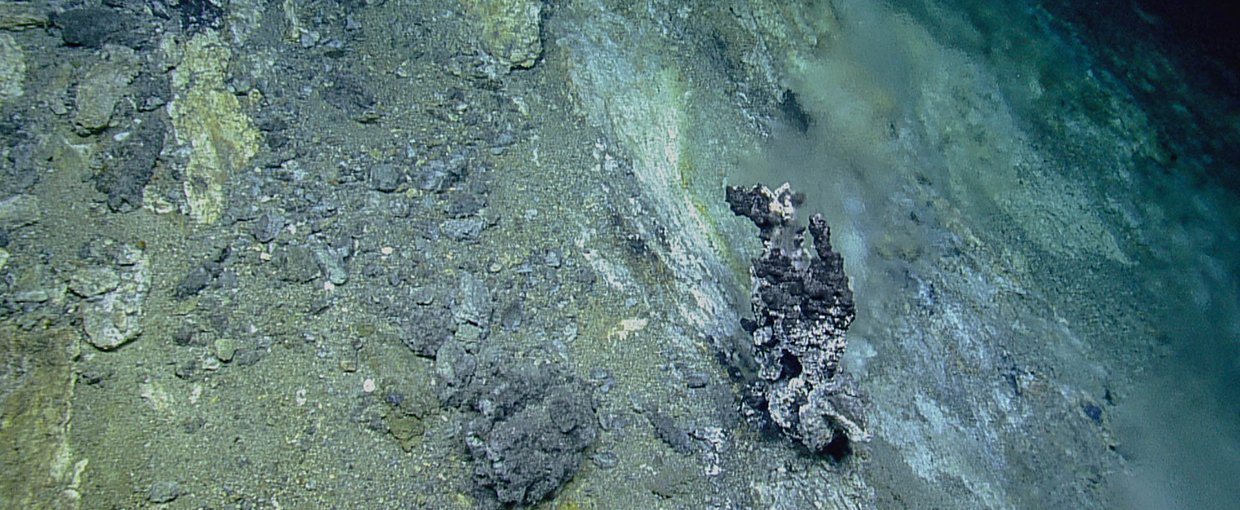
225 349
93 281
332 264
552 259
164 492
605 460
385 177
697 379
671 434
423 295
463 229
267 227
211 363
194 282
296 264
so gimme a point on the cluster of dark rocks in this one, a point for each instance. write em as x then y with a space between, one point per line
527 424
527 421
310 219
802 307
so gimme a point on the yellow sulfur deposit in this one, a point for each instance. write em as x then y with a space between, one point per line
208 118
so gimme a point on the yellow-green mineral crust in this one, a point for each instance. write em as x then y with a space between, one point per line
208 117
510 29
34 420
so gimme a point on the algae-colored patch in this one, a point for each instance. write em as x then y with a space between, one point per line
407 430
36 385
510 29
208 118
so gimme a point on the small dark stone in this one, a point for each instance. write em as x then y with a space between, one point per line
462 230
466 204
164 492
318 306
666 430
91 376
599 375
697 379
385 177
192 424
471 302
552 258
296 264
151 89
194 282
1092 411
227 280
184 336
667 487
271 123
127 166
511 316
440 175
605 460
88 26
93 27
349 94
585 276
247 357
613 422
504 139
15 177
423 295
200 14
267 227
394 398
431 327
332 264
186 371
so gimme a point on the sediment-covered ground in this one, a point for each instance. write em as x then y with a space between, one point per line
476 253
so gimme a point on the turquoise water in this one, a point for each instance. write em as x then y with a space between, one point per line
476 253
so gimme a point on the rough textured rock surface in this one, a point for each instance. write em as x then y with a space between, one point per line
12 68
802 307
509 29
94 27
527 423
210 122
527 451
102 88
112 312
127 166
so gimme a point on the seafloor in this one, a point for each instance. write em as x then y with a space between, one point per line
475 253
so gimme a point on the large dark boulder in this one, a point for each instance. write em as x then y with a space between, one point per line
527 422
